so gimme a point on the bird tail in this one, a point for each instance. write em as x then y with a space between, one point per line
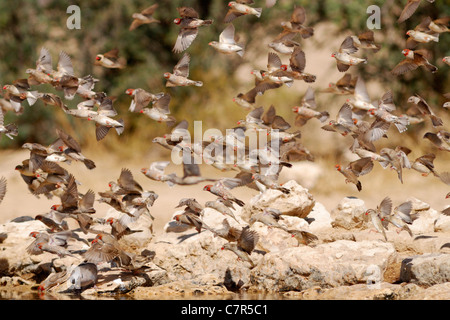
359 185
32 97
258 12
11 130
121 128
431 67
436 121
323 116
401 124
284 190
307 32
241 52
239 202
89 164
405 227
309 78
208 22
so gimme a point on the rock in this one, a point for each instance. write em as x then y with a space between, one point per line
349 214
137 239
203 285
385 291
319 218
442 223
299 202
418 205
305 173
427 269
327 265
190 255
425 221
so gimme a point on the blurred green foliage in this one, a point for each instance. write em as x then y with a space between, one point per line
26 26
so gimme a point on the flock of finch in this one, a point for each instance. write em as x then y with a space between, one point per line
259 169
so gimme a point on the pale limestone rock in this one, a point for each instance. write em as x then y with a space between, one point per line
299 202
425 222
426 269
350 214
333 264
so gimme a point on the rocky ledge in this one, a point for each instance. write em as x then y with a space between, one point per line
344 259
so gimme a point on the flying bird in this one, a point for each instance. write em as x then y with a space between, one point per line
189 23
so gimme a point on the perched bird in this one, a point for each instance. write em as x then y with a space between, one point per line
47 247
160 111
344 56
110 60
227 43
58 239
355 169
409 9
83 276
180 74
144 17
239 8
303 237
413 60
53 279
189 23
